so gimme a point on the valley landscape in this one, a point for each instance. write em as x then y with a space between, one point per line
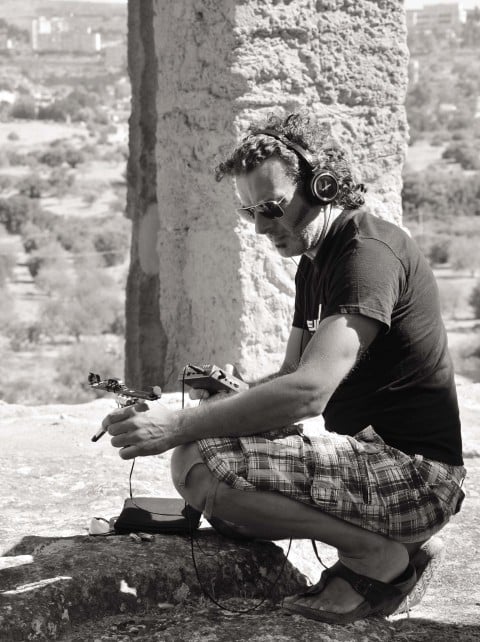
64 236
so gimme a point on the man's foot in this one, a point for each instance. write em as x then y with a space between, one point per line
427 561
338 596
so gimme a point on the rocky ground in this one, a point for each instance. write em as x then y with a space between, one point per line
55 480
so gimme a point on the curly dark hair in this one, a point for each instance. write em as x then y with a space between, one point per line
315 138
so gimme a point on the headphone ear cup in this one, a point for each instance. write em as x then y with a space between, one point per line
324 186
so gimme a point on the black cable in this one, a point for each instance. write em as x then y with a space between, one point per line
231 610
314 544
194 561
195 541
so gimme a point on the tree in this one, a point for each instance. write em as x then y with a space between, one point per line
54 157
24 108
61 180
5 182
76 236
474 300
74 157
439 250
89 304
34 236
53 111
465 154
464 254
55 275
440 194
31 186
14 213
113 240
74 364
7 309
7 263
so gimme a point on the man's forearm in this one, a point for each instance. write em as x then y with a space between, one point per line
266 379
286 368
272 405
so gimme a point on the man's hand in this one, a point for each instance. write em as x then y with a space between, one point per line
199 394
204 396
142 430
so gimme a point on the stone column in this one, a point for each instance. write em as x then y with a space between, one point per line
202 288
146 340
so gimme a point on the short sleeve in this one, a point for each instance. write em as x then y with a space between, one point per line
299 320
366 279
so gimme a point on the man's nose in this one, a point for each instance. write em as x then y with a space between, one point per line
263 225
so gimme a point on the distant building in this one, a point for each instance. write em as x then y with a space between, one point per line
7 97
436 18
414 71
477 110
58 34
5 42
447 108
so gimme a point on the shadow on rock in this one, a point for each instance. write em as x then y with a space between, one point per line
63 581
425 630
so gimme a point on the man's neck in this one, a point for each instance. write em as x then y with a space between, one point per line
330 215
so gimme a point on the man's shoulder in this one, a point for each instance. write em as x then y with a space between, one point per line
364 224
363 227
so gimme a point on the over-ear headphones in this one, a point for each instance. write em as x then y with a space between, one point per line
322 185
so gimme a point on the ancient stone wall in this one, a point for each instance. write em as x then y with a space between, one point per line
202 288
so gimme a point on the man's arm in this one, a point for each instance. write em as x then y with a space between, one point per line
330 355
297 341
292 358
290 363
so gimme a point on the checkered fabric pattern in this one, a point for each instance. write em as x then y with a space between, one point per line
358 479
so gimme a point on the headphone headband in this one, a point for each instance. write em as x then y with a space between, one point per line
300 151
323 184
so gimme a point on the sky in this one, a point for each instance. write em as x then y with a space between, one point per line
418 4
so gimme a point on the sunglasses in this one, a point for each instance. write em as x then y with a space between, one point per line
269 209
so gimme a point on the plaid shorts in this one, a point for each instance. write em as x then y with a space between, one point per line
357 479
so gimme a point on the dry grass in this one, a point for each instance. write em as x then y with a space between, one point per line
45 373
422 154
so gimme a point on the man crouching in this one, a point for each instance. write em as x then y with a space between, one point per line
367 349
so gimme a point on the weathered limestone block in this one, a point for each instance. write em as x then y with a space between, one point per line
78 579
203 622
202 287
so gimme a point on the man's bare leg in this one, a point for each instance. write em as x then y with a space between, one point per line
270 515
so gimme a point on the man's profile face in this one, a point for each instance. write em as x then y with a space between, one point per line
298 229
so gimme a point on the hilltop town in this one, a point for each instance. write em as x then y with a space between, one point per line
89 39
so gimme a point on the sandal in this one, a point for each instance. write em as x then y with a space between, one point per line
380 598
427 562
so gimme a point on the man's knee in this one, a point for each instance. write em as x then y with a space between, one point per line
202 490
190 475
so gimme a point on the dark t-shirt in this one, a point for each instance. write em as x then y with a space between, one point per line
403 386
